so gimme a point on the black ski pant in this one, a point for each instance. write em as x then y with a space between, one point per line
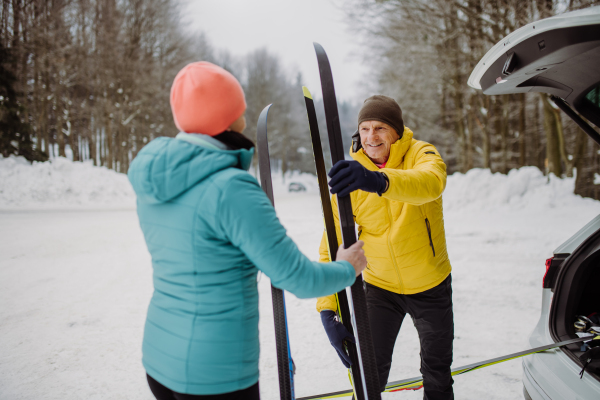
431 312
161 392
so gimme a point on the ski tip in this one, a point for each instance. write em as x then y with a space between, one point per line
318 47
306 92
266 109
264 114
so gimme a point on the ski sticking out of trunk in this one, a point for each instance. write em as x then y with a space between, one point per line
357 301
285 364
332 241
417 382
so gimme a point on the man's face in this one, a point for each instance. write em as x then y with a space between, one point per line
377 139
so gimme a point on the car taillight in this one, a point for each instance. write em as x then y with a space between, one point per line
549 275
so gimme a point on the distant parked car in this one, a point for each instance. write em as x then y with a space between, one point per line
559 56
296 187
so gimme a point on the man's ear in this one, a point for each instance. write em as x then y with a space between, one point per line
400 134
356 144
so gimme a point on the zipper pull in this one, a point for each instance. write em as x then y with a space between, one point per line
429 233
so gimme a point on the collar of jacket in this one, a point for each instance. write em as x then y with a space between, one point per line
200 139
397 152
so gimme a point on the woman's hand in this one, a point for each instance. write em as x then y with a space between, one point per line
355 255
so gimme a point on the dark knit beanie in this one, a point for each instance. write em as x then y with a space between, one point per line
383 109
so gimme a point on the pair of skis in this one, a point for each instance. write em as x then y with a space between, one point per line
417 382
352 305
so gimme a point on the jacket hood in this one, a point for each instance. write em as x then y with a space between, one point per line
397 152
168 167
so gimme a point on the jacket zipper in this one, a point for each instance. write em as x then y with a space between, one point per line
400 284
429 233
360 233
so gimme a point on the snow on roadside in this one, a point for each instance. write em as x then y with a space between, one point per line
524 188
61 184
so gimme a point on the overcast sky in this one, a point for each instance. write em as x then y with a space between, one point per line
286 28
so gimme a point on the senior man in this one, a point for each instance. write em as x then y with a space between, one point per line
396 185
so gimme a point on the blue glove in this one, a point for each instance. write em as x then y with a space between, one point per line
337 333
348 176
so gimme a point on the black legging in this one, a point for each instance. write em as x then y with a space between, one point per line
432 314
163 393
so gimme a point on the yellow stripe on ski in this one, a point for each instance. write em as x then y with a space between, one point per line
306 92
417 383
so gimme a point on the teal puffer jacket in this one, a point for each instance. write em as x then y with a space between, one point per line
209 228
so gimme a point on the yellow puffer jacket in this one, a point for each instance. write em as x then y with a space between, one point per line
403 230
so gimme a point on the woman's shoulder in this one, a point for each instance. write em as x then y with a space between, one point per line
234 178
234 187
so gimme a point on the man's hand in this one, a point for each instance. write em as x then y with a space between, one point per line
337 333
355 255
348 176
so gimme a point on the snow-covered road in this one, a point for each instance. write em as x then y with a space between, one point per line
75 284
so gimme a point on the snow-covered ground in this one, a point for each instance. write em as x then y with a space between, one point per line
75 281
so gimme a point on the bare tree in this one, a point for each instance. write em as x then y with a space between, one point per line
422 52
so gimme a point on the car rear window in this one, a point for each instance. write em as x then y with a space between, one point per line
594 96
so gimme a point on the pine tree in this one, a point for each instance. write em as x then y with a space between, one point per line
15 134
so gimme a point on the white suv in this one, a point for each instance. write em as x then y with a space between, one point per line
559 56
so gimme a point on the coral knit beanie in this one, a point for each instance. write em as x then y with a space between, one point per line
206 99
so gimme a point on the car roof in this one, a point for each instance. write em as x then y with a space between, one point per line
558 55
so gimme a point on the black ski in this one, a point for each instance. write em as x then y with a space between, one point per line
332 241
357 301
285 365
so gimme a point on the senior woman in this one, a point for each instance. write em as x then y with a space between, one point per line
209 229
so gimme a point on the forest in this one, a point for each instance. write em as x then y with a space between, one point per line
90 80
422 53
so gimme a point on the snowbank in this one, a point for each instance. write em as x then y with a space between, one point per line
61 184
524 188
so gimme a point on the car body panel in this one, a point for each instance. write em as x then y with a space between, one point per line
563 63
574 241
534 390
558 56
552 374
583 17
